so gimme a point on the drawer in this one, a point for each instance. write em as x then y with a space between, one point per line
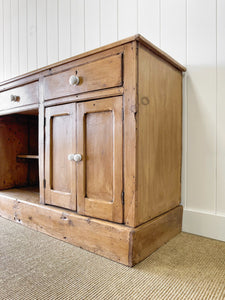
96 75
20 96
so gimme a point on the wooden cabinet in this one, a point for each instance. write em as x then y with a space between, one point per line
101 168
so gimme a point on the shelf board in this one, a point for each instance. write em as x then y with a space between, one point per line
26 193
28 156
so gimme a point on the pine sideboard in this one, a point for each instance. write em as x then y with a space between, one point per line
90 149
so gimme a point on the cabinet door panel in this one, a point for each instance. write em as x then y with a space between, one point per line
60 142
99 133
99 154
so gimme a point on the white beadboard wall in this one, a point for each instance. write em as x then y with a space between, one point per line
35 33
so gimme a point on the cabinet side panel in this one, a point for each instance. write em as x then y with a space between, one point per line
159 136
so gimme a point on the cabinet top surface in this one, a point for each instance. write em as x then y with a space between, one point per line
139 38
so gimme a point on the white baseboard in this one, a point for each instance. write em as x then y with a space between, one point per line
204 224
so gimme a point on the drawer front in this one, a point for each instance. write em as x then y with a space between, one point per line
96 75
20 96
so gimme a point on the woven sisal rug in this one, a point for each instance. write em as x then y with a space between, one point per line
36 266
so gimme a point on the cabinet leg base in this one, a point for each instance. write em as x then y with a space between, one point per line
117 242
150 236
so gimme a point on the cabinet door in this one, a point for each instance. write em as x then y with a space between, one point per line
99 173
60 173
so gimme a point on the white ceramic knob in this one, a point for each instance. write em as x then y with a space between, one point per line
77 157
74 80
71 157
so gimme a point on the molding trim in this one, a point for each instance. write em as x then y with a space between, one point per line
205 224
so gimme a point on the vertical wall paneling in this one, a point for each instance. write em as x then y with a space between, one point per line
220 207
32 34
173 28
6 40
35 33
14 38
108 22
127 18
201 60
149 20
41 34
22 36
64 29
77 27
52 31
1 42
92 24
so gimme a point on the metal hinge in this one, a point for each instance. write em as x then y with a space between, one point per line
122 197
122 114
44 183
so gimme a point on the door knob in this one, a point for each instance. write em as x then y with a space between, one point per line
74 80
75 157
14 98
71 157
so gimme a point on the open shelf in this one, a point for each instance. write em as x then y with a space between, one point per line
28 193
19 172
